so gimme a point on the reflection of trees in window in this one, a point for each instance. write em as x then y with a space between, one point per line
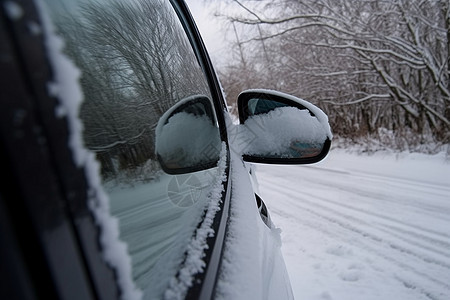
136 63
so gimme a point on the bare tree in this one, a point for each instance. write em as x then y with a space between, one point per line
371 64
134 68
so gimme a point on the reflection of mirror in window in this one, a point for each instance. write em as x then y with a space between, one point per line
187 137
137 64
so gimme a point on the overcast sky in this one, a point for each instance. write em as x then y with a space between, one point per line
211 28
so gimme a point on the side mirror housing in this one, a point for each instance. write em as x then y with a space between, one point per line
282 129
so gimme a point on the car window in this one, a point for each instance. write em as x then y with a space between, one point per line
149 118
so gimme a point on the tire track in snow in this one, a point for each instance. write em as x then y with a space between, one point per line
440 240
437 189
409 284
408 201
371 235
337 219
383 219
315 176
350 188
429 246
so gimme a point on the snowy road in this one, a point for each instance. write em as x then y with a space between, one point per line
372 227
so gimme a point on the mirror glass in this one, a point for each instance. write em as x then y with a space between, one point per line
262 106
283 131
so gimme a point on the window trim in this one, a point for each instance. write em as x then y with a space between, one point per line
204 284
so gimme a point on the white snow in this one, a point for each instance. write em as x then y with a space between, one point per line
363 227
278 130
252 265
194 263
319 114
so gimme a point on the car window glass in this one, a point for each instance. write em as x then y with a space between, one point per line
149 118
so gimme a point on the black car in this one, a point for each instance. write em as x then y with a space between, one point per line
123 175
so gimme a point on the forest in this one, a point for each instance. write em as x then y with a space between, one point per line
134 68
379 68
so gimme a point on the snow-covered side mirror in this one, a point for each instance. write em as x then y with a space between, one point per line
187 137
282 129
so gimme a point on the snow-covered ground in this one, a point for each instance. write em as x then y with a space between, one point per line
363 227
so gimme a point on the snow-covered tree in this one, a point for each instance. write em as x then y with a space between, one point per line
370 63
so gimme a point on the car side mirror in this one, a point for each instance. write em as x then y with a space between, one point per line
282 129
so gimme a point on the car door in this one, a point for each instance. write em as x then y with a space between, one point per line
115 148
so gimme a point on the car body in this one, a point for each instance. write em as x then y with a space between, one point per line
123 172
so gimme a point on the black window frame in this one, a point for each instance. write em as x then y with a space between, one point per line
45 191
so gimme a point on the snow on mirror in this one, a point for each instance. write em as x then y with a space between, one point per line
283 130
286 132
